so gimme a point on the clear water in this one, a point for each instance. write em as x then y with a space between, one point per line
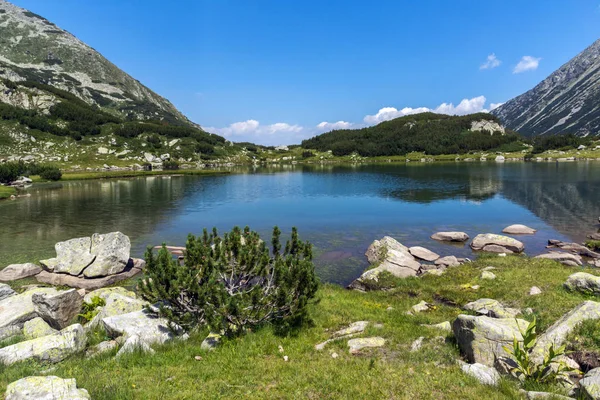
341 209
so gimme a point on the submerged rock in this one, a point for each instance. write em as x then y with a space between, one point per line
490 239
19 271
519 229
584 283
450 236
45 388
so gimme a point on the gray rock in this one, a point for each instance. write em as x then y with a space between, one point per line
106 293
115 304
481 339
53 348
58 309
211 342
443 326
488 275
144 324
563 258
544 395
534 291
19 271
590 384
18 309
421 307
37 328
519 229
101 348
356 345
494 248
72 257
377 251
353 328
6 291
491 308
488 239
112 254
558 332
584 283
423 254
45 388
417 344
134 343
574 248
450 236
448 261
483 373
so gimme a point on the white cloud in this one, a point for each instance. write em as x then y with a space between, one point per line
491 62
527 63
251 130
493 106
387 113
331 126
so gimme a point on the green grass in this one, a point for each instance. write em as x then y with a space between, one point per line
6 192
252 367
77 176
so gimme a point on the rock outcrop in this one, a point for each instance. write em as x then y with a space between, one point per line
45 388
37 328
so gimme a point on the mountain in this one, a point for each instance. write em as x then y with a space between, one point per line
34 49
568 101
431 133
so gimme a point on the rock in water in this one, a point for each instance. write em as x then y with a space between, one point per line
112 254
53 348
72 257
58 309
569 259
448 261
483 240
481 339
377 251
590 384
6 291
584 283
450 236
37 328
45 388
483 373
423 253
519 229
19 271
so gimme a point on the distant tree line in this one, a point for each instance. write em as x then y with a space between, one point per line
558 142
11 171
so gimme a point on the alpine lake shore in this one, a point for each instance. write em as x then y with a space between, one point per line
398 337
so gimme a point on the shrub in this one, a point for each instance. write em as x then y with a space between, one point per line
90 310
307 154
50 174
593 244
170 165
233 283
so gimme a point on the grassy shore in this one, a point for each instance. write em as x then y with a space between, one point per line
77 176
6 192
252 366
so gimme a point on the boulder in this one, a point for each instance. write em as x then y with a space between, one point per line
590 384
544 395
574 248
484 374
487 239
491 308
481 339
377 251
150 328
500 159
569 259
423 254
37 328
212 341
594 236
494 248
45 388
450 236
19 271
448 261
519 229
101 348
52 348
134 343
584 283
18 309
134 267
58 309
106 293
558 332
72 257
422 306
6 291
116 304
356 345
112 254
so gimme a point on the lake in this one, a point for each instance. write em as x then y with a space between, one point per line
340 209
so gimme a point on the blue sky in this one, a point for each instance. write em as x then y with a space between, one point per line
277 71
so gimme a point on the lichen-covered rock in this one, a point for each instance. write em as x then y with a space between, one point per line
423 254
584 283
105 293
37 328
18 309
481 339
422 306
494 248
492 308
519 229
19 271
558 332
45 388
116 304
101 348
488 275
442 326
211 341
590 384
134 343
6 291
378 249
356 345
58 309
450 236
112 254
568 259
72 257
353 328
486 239
52 348
144 324
483 373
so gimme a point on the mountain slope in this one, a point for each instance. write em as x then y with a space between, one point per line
431 133
568 101
34 49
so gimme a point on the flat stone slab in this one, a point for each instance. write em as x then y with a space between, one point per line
45 388
19 271
489 239
519 229
450 236
492 308
52 348
148 327
563 258
423 254
356 345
